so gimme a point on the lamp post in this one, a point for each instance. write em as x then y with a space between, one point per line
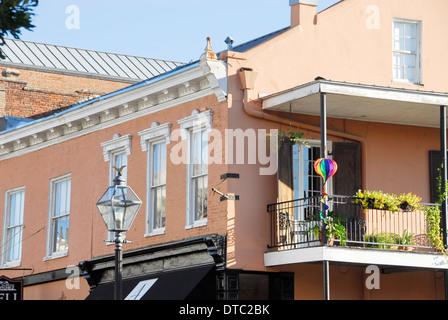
118 208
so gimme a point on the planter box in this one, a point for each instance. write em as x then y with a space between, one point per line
395 223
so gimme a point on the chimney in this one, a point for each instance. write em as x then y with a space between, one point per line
303 12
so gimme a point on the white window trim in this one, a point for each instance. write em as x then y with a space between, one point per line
418 59
156 134
196 122
117 143
3 262
51 203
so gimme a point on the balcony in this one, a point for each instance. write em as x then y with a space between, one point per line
370 236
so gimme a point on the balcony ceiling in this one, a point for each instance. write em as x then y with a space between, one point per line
362 103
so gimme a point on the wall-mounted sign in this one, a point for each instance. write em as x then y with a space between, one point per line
11 289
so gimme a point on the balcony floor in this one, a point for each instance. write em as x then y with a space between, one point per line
357 256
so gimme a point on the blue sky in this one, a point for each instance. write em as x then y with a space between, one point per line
163 29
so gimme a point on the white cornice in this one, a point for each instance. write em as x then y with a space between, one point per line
124 105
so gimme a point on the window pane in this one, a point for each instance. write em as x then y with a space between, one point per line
311 181
159 203
159 164
200 197
60 240
204 152
398 29
14 243
410 45
409 30
120 160
20 202
163 163
398 72
156 165
62 205
196 153
398 44
295 168
409 60
409 74
199 152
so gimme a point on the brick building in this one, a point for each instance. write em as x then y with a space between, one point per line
36 79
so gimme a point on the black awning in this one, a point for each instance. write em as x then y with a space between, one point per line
197 283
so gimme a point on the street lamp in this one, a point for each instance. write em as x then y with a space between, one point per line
118 208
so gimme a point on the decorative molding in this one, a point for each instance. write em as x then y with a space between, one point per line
71 128
118 142
197 121
156 131
37 138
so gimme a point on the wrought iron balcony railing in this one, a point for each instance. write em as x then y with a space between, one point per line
294 224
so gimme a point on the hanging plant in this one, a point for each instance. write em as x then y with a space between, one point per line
290 137
377 200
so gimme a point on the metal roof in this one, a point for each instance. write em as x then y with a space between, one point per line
63 59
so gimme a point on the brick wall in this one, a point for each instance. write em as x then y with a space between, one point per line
35 94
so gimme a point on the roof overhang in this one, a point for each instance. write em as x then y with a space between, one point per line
357 256
187 83
361 102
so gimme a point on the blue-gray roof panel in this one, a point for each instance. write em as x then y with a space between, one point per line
61 58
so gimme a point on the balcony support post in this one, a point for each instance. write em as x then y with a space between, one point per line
444 176
444 171
323 154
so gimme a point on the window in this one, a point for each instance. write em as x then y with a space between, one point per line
116 152
196 129
13 228
306 182
199 174
157 198
154 141
59 217
406 51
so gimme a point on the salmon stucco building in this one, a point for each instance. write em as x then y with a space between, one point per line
221 152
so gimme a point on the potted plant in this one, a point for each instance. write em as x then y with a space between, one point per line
383 240
409 202
334 230
407 240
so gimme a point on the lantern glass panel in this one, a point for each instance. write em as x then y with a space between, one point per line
118 207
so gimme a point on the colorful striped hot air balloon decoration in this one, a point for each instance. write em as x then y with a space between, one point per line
326 168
